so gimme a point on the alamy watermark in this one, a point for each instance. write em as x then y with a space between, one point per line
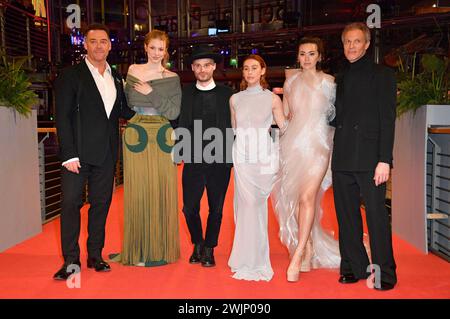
74 19
74 280
238 146
374 19
374 279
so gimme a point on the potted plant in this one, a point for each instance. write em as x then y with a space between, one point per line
19 161
428 87
15 85
422 102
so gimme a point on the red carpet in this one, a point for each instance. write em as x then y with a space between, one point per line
26 270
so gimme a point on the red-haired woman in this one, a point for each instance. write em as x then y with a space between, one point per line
151 236
255 161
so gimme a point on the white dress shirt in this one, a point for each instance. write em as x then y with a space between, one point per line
107 89
105 85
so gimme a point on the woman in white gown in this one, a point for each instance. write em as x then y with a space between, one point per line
255 160
304 175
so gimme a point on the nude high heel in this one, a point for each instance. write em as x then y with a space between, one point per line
306 258
293 276
293 271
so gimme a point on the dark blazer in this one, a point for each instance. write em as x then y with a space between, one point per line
223 115
85 131
365 118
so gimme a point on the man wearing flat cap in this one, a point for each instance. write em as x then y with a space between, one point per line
205 105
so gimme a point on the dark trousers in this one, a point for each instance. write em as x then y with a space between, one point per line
100 181
196 177
348 187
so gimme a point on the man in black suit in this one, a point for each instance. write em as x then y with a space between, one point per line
89 102
362 157
205 105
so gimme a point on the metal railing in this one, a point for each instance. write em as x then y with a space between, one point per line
24 34
438 192
50 174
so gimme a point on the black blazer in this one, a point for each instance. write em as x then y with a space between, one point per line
223 116
365 118
85 131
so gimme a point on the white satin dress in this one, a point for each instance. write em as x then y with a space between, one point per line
255 161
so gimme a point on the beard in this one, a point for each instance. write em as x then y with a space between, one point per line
204 77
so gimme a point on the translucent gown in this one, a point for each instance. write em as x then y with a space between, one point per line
305 150
255 162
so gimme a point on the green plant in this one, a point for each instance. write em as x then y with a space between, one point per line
430 86
15 85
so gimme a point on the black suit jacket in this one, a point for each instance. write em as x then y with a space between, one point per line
83 128
223 117
365 118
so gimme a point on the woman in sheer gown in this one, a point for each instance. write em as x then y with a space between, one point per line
255 161
304 175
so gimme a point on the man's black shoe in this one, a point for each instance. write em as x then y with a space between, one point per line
98 264
67 269
196 256
208 257
348 279
383 286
